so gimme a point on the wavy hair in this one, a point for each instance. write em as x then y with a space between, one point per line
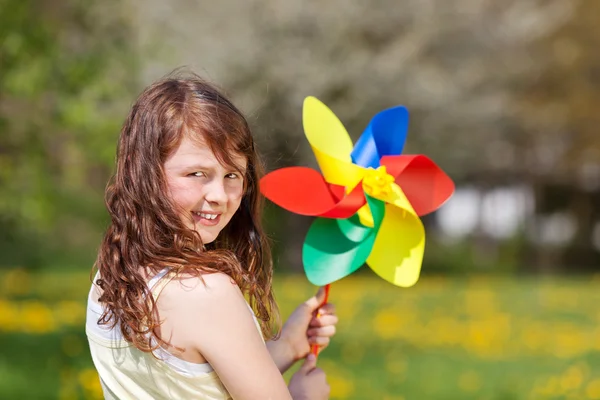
146 233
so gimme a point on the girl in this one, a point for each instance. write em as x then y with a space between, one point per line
182 298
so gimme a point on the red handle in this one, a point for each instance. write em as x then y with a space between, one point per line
315 348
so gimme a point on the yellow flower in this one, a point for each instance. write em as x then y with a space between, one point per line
572 378
592 389
341 387
387 324
88 379
9 316
70 312
36 317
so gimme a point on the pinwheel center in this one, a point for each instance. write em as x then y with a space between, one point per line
377 182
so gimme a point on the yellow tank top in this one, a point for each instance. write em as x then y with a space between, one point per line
128 373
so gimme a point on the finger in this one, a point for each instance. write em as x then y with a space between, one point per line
320 341
326 331
323 320
328 308
318 372
310 363
317 300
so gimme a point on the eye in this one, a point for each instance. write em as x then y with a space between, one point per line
232 175
197 174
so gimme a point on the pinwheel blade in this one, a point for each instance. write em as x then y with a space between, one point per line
425 185
334 249
385 135
397 253
330 144
303 191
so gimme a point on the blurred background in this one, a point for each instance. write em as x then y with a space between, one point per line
502 96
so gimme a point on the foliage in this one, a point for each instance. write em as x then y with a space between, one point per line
64 69
503 94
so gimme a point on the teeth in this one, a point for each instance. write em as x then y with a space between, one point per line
206 216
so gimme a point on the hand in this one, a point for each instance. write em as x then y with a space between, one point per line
304 328
309 382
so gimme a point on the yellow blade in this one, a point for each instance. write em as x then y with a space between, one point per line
397 253
330 144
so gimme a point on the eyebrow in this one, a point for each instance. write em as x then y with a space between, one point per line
201 166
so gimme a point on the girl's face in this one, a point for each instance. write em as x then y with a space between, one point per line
206 192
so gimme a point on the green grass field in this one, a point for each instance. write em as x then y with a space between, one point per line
463 338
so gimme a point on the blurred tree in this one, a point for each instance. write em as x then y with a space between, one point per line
66 68
558 113
476 75
500 93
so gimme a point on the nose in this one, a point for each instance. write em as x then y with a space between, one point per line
216 192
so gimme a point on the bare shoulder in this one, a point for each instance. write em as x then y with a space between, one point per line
193 309
210 318
195 291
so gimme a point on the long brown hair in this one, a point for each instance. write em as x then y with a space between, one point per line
146 233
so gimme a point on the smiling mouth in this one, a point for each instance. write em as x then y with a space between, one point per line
208 219
205 215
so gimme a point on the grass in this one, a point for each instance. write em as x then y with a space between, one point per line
478 338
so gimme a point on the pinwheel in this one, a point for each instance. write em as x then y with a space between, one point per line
367 201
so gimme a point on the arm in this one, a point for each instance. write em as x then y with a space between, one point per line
282 354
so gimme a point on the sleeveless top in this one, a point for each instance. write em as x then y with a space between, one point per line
128 373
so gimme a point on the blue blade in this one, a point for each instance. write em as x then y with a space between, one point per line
385 136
